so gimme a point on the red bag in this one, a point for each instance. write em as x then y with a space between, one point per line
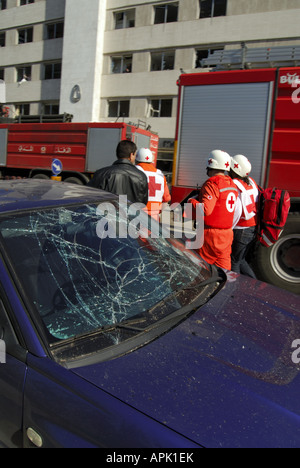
274 207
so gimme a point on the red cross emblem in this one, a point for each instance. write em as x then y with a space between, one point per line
153 186
210 161
227 165
230 202
236 166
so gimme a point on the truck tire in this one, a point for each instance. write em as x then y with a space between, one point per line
40 176
73 180
280 264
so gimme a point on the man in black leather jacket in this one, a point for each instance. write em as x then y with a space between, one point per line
123 178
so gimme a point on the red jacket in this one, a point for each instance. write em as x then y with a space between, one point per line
219 195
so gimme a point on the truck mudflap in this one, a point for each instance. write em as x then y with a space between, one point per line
280 264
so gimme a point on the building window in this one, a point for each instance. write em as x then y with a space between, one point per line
161 107
26 2
55 30
211 8
166 13
3 5
118 108
50 109
203 54
2 39
23 73
52 71
2 74
121 64
22 109
124 19
25 35
162 61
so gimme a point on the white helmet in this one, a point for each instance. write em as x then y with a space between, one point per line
219 160
144 155
241 165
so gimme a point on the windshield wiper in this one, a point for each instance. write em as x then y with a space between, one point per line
132 324
195 304
203 284
189 308
138 335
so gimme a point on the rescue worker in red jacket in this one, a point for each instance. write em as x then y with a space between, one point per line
245 222
218 196
158 191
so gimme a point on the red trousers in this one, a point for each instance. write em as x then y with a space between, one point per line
217 247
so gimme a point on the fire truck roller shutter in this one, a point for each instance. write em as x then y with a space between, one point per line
211 114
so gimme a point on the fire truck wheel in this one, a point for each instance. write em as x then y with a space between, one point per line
280 264
40 176
73 180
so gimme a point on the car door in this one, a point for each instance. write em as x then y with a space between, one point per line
12 378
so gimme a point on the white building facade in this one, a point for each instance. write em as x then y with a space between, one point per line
103 60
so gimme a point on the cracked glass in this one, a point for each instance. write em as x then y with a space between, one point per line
85 268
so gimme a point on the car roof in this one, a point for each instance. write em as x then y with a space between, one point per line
25 194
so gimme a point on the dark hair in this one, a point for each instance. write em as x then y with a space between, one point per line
233 175
125 148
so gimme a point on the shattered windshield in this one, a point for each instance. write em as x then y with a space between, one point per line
83 269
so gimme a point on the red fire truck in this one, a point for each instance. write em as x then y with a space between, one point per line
79 149
252 112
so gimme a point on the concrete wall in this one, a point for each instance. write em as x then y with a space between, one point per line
82 58
35 54
253 22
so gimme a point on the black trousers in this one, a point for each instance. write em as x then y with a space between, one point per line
243 239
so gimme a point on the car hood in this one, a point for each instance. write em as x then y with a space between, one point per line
224 377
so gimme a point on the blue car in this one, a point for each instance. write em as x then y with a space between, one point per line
113 336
